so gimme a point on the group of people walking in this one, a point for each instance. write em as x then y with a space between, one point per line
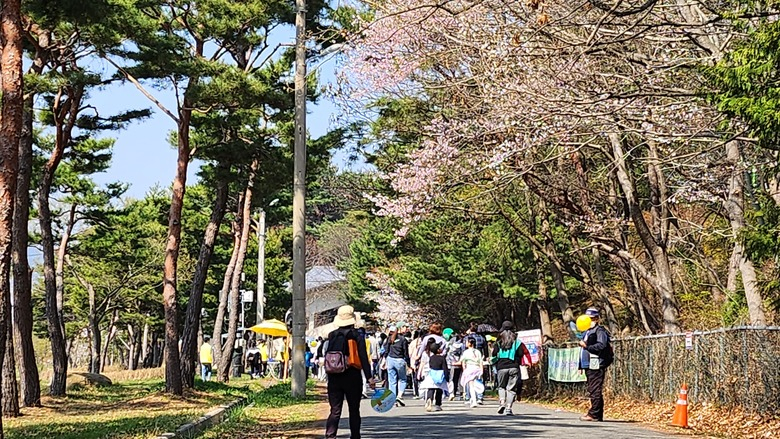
441 362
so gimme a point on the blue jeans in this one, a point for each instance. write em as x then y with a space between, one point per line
205 372
396 375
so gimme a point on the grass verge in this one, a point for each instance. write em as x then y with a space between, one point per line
274 414
125 410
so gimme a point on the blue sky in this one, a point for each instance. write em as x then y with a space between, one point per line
142 155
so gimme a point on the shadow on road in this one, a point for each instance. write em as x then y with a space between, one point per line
458 421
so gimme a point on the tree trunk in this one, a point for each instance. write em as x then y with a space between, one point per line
653 239
716 287
10 130
58 273
556 270
159 348
150 360
543 307
135 347
542 303
602 297
734 205
173 381
10 390
56 336
110 334
29 380
145 344
189 349
94 333
235 296
223 293
733 268
65 115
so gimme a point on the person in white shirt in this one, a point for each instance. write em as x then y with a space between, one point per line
471 360
373 354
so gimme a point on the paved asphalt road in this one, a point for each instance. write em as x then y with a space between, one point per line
459 421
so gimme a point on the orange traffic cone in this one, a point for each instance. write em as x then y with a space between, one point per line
680 418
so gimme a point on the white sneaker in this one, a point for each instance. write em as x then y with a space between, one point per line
428 406
474 405
438 408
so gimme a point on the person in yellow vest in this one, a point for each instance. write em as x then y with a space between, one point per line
263 357
206 359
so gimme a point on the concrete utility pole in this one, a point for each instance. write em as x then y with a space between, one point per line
299 208
261 263
260 268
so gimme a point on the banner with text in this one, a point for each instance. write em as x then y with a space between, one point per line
532 340
563 365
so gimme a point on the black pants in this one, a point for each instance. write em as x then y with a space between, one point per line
435 394
596 393
415 384
455 373
347 385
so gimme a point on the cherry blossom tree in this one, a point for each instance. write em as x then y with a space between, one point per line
594 107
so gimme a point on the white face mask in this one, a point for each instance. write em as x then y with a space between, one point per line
592 325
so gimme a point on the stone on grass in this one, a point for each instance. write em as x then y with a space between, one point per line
90 379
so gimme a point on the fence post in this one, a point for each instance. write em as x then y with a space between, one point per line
630 368
670 361
721 371
697 366
652 370
746 357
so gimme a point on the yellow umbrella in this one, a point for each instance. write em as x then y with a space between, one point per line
273 328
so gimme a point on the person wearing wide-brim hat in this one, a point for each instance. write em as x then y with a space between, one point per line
348 384
596 357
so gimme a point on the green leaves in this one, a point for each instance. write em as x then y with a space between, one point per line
747 83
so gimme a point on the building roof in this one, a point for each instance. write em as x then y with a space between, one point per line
322 290
321 275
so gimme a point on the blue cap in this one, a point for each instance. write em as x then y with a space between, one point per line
592 312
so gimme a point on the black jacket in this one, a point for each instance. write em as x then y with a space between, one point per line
598 343
506 363
351 334
438 362
399 349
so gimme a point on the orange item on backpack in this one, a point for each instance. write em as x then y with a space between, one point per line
353 358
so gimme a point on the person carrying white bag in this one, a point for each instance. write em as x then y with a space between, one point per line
509 355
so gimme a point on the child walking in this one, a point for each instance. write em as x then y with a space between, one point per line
436 380
471 360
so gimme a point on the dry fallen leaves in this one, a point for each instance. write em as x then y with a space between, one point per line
703 419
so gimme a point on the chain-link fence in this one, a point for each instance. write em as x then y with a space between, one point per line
734 367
